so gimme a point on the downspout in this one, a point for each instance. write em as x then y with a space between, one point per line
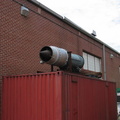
104 62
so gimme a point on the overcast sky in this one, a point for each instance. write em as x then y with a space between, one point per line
103 16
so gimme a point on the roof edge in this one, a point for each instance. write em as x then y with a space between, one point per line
65 19
69 22
45 8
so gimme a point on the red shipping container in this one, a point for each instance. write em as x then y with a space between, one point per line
58 96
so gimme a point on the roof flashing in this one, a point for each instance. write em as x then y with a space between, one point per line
69 22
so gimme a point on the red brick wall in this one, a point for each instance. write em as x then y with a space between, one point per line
22 38
112 67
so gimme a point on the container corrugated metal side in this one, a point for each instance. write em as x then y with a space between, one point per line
32 97
0 98
88 98
58 96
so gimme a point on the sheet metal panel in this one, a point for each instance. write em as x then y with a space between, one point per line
58 96
89 98
0 98
32 97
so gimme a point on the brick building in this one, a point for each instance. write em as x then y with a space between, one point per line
22 38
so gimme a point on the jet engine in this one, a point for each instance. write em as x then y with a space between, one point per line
60 57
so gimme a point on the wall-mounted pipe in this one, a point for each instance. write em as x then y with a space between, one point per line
104 62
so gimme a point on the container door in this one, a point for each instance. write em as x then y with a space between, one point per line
73 99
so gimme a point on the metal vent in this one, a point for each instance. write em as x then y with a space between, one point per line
93 33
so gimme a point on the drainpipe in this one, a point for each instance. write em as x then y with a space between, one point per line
104 62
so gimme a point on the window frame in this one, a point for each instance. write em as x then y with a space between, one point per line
87 65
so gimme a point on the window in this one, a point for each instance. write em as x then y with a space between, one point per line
92 63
